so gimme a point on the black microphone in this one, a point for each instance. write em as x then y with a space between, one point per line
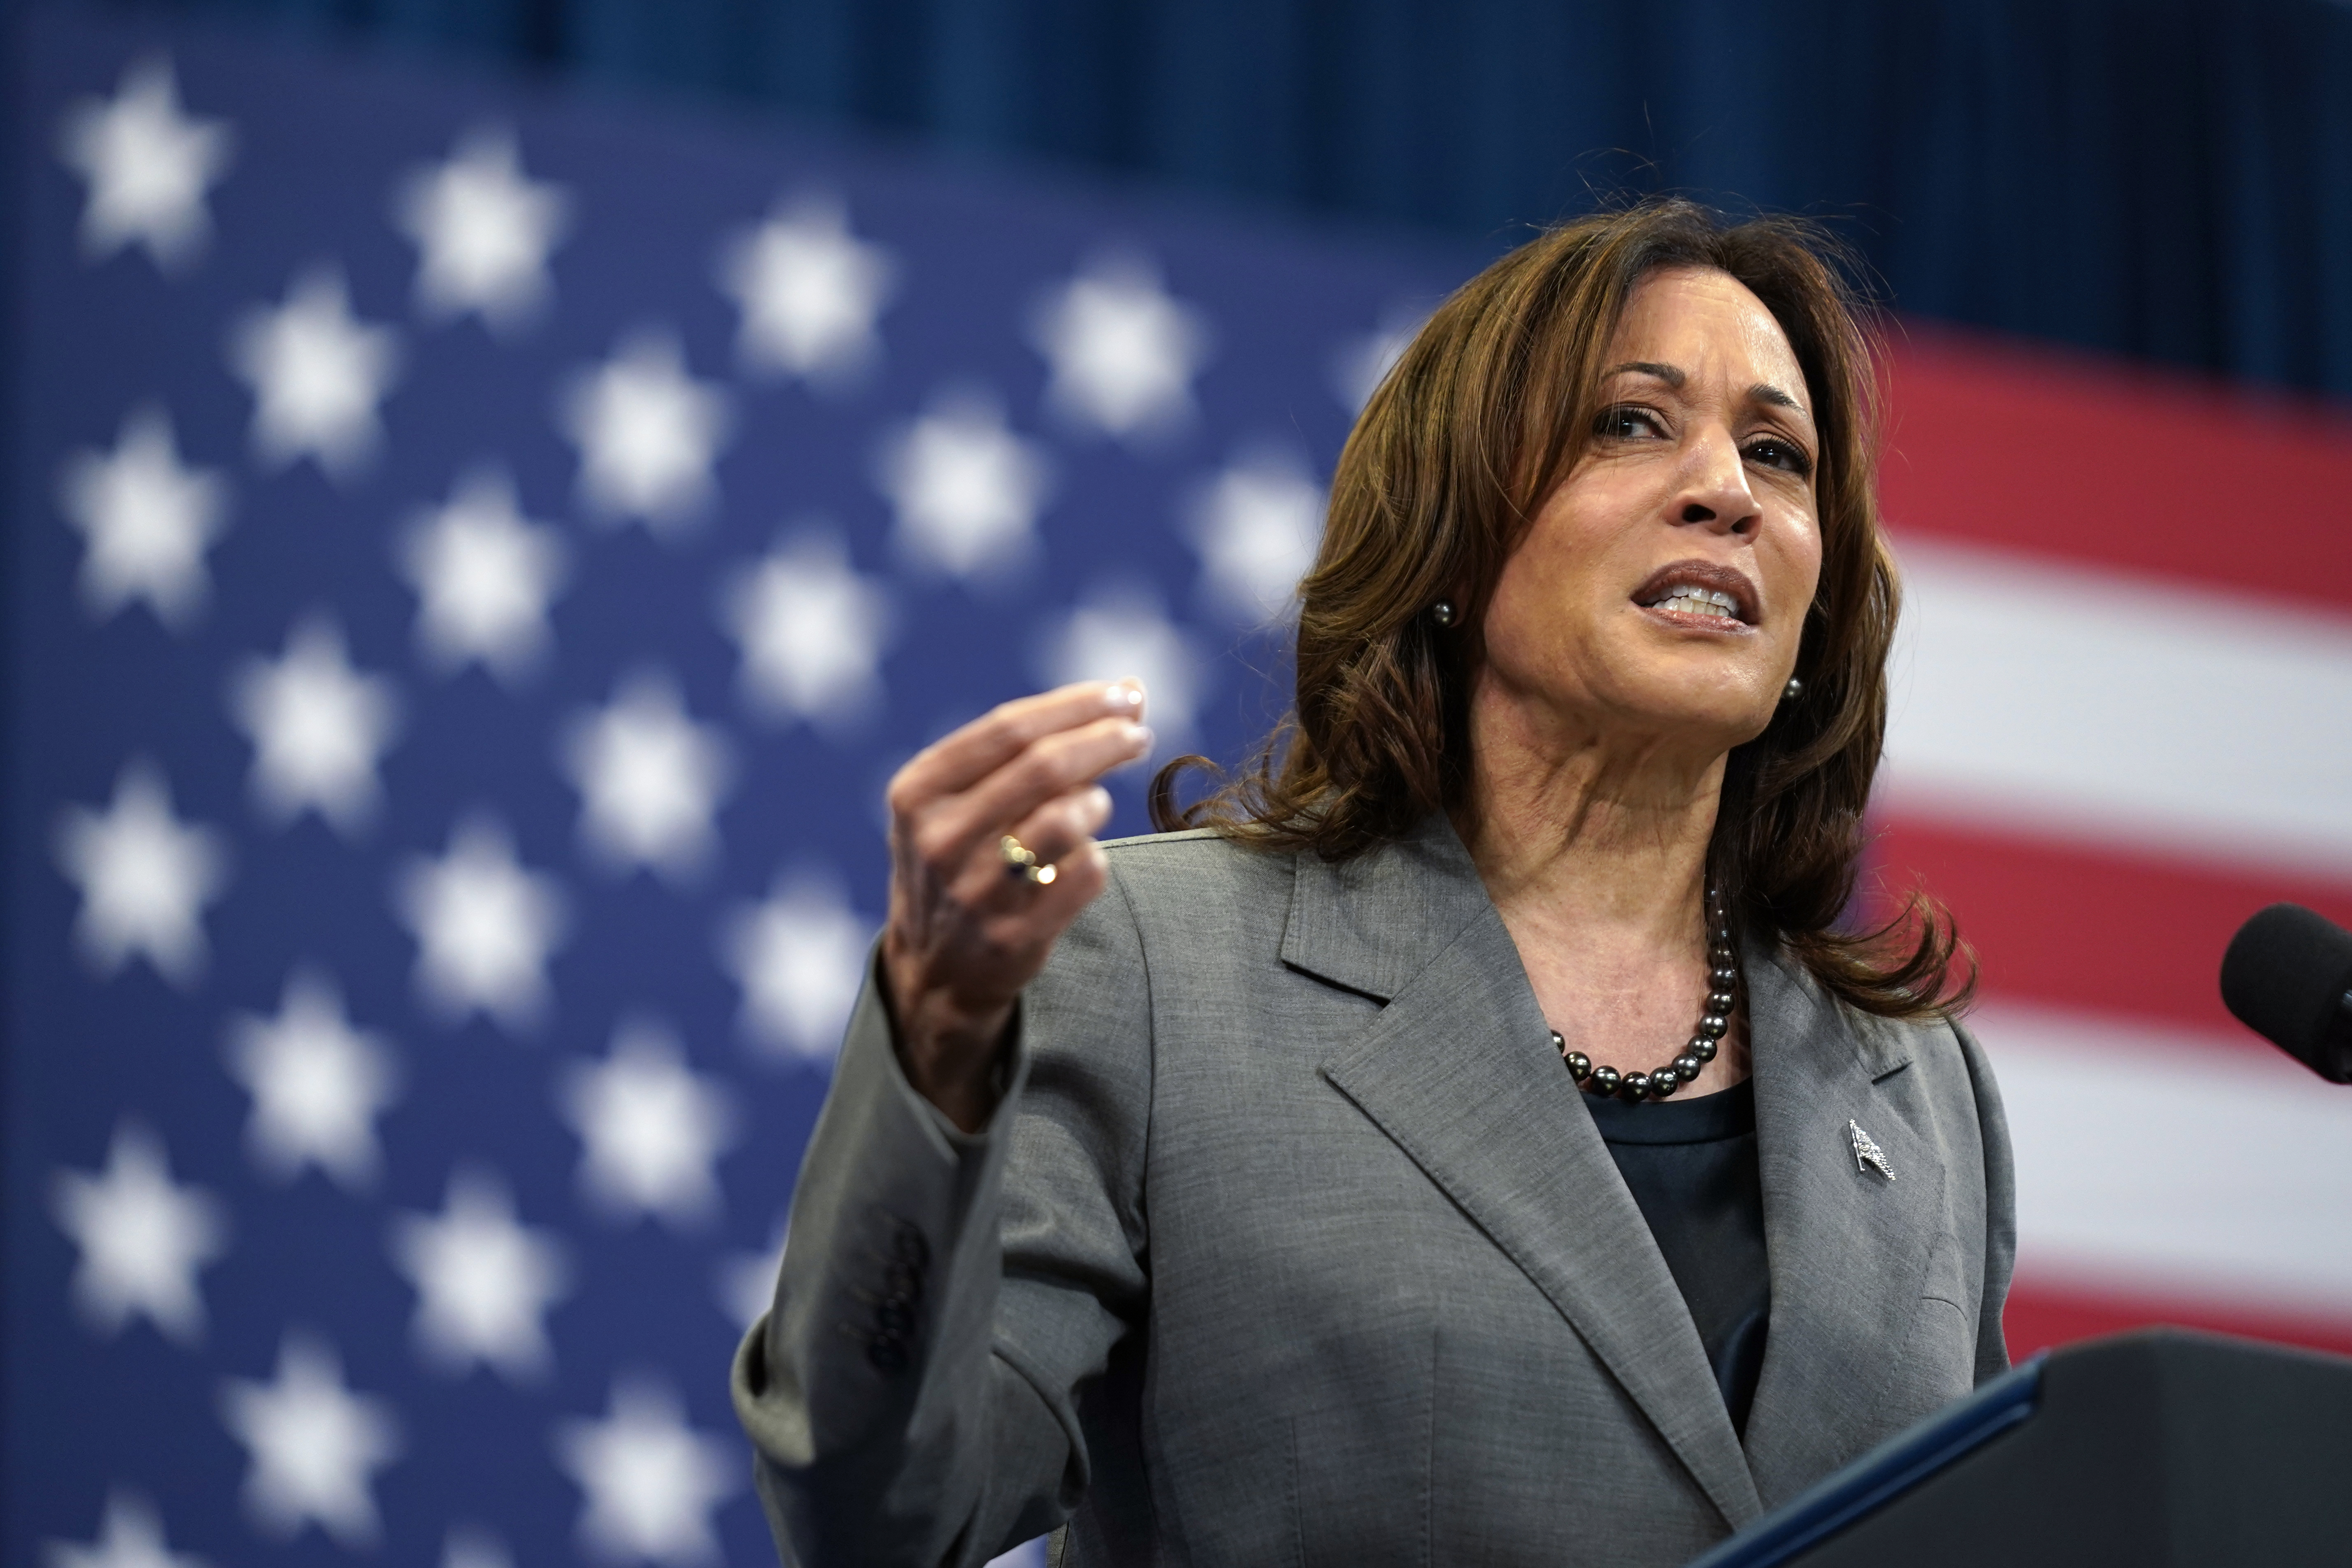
2288 977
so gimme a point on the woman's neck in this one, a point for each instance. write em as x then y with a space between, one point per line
1593 847
1579 827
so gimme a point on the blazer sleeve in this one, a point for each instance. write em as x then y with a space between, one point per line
945 1300
2000 1209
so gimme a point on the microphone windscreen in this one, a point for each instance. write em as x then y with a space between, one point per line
2284 977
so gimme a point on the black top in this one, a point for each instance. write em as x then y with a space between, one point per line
1691 1165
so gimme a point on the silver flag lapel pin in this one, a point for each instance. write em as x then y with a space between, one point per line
1866 1152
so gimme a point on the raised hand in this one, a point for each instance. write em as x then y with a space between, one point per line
967 929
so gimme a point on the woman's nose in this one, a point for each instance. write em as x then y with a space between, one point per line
1714 486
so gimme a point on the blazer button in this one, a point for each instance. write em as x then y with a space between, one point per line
886 1355
894 1319
903 1282
909 1245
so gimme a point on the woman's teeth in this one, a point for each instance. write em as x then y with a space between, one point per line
1699 601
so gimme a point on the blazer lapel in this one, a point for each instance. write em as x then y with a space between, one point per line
1849 1247
1458 1070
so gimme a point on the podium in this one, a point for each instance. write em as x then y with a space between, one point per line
2161 1448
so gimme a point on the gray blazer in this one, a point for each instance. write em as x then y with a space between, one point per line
1293 1243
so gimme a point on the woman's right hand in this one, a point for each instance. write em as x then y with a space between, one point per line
966 931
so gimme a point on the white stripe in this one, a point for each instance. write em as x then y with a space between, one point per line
2089 706
2160 1162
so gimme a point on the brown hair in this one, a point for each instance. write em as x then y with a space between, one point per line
1477 422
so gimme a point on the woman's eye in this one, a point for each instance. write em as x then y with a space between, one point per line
1626 423
1786 456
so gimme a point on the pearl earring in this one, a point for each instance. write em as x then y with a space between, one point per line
1442 612
1794 690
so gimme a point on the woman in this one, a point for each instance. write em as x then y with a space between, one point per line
1475 1142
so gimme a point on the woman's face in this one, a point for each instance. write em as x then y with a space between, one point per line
1662 588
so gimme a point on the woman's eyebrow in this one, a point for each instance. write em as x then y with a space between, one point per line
1674 376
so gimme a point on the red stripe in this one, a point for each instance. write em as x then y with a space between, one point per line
2056 454
2043 1315
2063 923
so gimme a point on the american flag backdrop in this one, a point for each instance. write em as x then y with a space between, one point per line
475 562
473 559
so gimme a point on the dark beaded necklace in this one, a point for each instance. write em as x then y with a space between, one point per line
1722 995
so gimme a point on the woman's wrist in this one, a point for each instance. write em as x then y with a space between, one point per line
951 1051
957 1066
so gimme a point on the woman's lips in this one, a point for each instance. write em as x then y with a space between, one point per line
1705 578
1687 620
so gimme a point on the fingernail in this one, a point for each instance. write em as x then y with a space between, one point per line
1139 736
1123 697
1098 801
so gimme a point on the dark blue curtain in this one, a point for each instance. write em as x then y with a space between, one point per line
2152 177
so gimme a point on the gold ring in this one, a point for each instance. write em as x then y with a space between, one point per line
1022 861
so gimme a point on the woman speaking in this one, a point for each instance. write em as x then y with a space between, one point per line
1475 1140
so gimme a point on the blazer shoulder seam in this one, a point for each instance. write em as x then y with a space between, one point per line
1150 840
